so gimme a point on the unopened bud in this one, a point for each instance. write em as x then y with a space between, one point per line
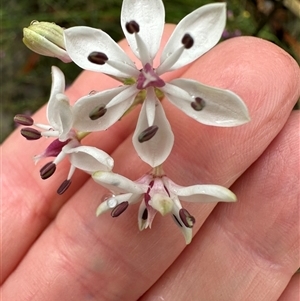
47 39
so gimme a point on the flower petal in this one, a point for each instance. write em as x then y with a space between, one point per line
205 25
150 106
117 183
84 106
150 16
156 150
63 120
220 107
118 199
52 150
142 217
81 41
146 216
59 112
204 193
186 231
89 158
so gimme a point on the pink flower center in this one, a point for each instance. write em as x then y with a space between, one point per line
148 78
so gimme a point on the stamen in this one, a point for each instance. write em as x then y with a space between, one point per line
198 104
31 134
119 209
93 92
132 27
98 58
64 186
23 119
47 170
186 218
98 112
148 133
187 41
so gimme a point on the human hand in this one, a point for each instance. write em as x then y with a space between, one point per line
54 247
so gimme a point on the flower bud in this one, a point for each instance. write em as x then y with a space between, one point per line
47 39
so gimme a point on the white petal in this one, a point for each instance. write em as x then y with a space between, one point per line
204 193
222 107
105 206
59 111
85 105
142 223
186 231
117 183
89 158
150 106
58 81
150 15
156 150
205 25
81 41
63 120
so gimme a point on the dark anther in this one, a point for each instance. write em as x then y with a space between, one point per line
99 58
148 133
47 170
97 112
145 214
119 209
23 119
64 186
176 219
186 218
132 27
31 134
187 41
198 104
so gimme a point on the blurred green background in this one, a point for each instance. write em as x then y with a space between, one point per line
25 76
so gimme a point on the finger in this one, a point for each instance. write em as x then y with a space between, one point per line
292 291
118 255
248 250
31 203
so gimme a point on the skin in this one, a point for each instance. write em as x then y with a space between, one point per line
54 246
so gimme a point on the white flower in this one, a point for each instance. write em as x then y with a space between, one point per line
60 118
157 193
142 23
